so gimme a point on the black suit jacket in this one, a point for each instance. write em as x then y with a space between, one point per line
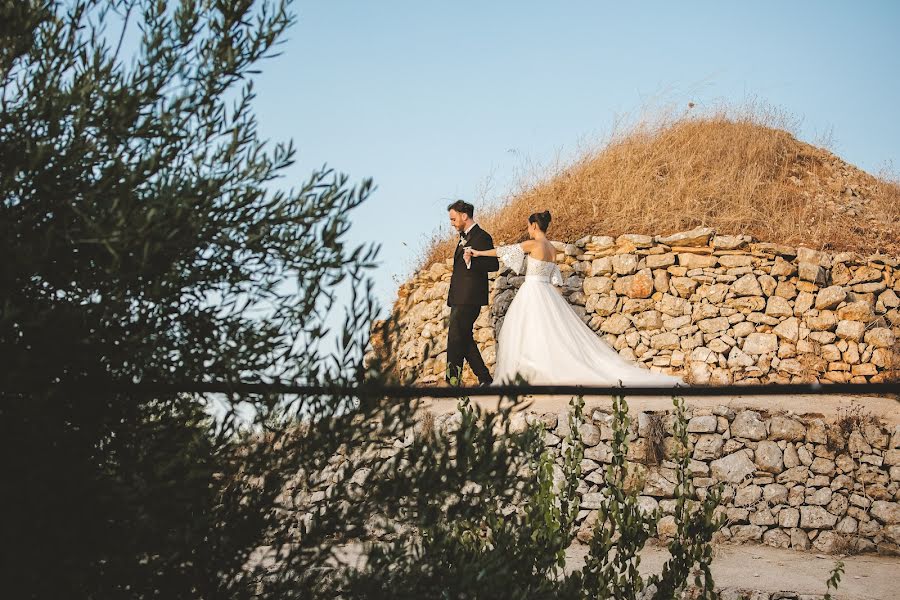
470 286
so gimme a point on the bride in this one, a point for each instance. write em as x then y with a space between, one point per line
542 338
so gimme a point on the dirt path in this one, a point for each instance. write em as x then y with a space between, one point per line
888 409
758 568
761 568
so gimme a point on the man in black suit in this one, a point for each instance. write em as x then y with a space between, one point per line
468 293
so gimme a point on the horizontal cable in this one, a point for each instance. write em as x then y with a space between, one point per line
512 390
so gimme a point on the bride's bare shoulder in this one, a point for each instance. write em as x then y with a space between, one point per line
551 249
529 246
541 250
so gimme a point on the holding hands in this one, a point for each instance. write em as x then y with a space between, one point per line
469 253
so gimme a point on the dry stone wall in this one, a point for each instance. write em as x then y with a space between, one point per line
790 481
711 308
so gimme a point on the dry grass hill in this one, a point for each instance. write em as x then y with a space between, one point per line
737 173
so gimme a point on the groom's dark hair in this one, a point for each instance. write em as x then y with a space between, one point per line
461 206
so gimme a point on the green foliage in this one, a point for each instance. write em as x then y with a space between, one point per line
695 522
834 579
144 241
621 528
481 514
503 532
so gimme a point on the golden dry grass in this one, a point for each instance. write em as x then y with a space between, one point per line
738 171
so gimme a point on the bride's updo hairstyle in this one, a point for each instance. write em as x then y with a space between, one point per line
542 219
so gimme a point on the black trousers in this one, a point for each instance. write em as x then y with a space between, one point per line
461 346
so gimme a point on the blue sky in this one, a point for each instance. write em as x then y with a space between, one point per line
437 100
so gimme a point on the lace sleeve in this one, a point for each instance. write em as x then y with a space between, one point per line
512 256
556 277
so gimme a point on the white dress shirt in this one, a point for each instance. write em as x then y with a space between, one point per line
466 232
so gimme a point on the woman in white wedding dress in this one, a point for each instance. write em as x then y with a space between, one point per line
542 338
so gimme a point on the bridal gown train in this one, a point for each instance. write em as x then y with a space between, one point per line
545 341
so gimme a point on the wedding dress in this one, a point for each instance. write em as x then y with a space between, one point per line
545 341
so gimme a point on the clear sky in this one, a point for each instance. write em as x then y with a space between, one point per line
438 100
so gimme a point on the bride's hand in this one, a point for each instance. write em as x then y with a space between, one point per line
470 252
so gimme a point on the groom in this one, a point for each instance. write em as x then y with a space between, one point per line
468 293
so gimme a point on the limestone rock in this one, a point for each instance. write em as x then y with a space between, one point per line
747 496
592 500
737 358
590 434
817 257
601 266
748 425
830 297
747 286
606 305
696 261
624 264
666 527
597 285
746 533
889 299
665 341
791 459
850 330
856 311
816 517
783 428
789 329
647 504
886 512
601 453
880 337
775 493
774 249
865 274
799 539
656 261
789 518
822 466
828 542
819 497
760 343
702 424
762 517
776 538
728 242
733 468
811 272
658 486
826 320
634 286
648 320
616 324
736 260
713 325
769 457
783 268
799 474
708 447
635 239
699 236
803 303
683 286
776 306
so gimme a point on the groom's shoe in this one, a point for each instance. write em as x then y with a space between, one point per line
486 383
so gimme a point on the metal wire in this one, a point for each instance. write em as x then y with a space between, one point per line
414 391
